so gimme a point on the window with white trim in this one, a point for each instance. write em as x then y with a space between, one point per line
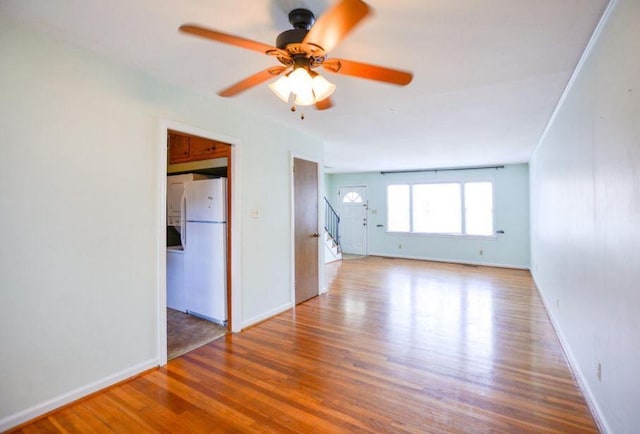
352 197
453 208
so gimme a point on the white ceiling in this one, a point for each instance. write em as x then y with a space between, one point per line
487 73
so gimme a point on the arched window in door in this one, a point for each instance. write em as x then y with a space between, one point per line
352 197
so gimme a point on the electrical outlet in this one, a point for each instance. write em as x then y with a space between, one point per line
399 246
481 252
599 371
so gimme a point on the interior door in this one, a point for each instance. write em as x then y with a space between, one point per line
305 187
353 219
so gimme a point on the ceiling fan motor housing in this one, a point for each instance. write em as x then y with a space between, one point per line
293 36
301 20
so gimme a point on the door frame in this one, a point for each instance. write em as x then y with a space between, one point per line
292 261
366 232
161 233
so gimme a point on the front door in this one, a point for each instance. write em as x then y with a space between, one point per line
305 187
353 219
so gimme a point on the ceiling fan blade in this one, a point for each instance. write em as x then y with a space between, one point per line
227 39
253 80
336 23
324 104
365 70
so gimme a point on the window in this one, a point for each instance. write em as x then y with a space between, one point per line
458 208
352 197
436 208
398 208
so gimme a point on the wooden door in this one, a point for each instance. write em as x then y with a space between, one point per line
305 187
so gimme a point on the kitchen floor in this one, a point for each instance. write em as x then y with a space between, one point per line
186 333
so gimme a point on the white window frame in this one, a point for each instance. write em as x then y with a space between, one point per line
463 234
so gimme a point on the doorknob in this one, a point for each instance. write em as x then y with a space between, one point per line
316 235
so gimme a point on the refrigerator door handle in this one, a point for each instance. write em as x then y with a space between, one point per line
183 221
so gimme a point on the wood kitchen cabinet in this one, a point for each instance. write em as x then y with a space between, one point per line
178 147
202 149
183 148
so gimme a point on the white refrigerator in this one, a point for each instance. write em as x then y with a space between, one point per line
205 249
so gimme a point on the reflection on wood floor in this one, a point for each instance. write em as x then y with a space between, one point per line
396 345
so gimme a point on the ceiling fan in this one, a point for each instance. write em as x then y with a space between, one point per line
301 50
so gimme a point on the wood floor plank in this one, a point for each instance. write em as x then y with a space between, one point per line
394 346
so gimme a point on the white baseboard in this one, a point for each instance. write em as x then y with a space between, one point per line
601 421
66 398
452 261
266 315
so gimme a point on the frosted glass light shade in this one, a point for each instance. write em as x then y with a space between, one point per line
305 89
305 98
301 86
282 88
322 88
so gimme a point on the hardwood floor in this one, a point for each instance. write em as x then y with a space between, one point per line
395 346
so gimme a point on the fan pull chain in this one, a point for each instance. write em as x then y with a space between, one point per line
293 109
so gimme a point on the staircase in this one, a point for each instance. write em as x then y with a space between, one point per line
332 250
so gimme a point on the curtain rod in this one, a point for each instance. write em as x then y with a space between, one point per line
444 169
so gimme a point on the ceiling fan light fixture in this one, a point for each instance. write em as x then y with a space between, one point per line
282 88
302 86
322 88
305 98
307 87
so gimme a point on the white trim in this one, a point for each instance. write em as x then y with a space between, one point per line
436 235
596 411
574 76
236 220
161 249
322 283
292 234
161 283
266 315
66 398
451 261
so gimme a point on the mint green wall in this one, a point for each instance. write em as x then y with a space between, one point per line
511 186
81 204
328 187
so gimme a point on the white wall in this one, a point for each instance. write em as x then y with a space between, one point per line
80 204
511 209
585 212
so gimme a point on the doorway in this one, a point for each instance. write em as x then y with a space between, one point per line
306 229
353 205
198 283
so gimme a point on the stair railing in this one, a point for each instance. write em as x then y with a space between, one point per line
332 222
